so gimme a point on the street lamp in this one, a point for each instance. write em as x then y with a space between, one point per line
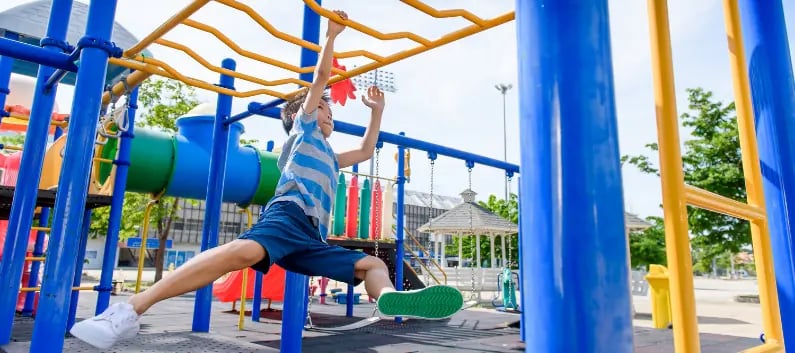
503 88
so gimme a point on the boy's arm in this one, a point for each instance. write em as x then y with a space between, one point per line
323 68
375 101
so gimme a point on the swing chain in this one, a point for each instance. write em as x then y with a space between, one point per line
473 242
430 230
510 245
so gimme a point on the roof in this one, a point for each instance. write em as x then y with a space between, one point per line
469 217
633 222
30 22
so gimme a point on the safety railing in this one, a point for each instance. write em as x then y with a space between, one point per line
677 195
428 256
152 66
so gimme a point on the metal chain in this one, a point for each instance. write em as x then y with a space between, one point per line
378 204
473 243
430 230
510 245
309 303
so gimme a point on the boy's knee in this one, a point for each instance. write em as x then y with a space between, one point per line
243 253
371 263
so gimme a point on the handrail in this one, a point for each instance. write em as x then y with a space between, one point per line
425 267
425 251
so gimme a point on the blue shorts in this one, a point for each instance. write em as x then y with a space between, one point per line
292 241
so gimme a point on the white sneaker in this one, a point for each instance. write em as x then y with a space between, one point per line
118 322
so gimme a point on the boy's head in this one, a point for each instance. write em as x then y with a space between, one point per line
324 120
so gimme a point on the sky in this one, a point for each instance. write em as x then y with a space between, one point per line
447 95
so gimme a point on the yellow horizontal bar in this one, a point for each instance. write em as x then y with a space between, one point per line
133 80
42 229
157 67
167 26
448 38
35 258
292 39
280 64
12 148
721 204
228 72
430 11
365 29
768 347
36 289
103 160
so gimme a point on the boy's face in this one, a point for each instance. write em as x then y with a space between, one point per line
324 119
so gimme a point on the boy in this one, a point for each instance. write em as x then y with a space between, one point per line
289 231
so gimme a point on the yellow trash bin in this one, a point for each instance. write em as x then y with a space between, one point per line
660 296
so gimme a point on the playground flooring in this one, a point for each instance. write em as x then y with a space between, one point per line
166 328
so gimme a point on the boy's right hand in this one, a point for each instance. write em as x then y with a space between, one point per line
335 28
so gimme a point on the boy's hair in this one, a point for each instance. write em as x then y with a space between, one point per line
293 105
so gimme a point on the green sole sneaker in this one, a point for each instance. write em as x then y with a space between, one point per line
435 302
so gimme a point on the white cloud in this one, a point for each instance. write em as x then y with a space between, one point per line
446 96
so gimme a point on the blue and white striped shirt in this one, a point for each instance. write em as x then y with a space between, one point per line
309 170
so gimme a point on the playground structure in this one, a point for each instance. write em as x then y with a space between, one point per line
566 113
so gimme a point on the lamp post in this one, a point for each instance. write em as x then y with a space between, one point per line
503 88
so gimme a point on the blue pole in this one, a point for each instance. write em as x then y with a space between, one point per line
6 66
42 55
399 251
70 200
296 286
520 261
386 137
215 189
773 94
26 193
78 276
576 263
116 207
256 302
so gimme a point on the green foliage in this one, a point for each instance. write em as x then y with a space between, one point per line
12 140
132 217
648 246
711 161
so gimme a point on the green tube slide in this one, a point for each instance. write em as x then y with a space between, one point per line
177 164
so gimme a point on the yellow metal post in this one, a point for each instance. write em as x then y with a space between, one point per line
142 250
244 286
660 296
760 233
683 304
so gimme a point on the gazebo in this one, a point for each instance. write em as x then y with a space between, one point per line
456 222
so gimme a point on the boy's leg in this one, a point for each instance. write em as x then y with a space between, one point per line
120 321
200 271
353 267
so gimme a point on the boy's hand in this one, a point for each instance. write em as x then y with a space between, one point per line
335 28
374 99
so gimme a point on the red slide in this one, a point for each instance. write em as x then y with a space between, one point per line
272 285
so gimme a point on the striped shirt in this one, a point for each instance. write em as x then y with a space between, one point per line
309 170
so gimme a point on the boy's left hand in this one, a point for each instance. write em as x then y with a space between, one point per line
374 99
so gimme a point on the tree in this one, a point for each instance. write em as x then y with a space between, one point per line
711 161
648 246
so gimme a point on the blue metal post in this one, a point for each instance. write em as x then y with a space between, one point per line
773 94
215 189
70 200
296 286
78 276
26 192
6 66
576 263
116 205
256 302
520 261
399 251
